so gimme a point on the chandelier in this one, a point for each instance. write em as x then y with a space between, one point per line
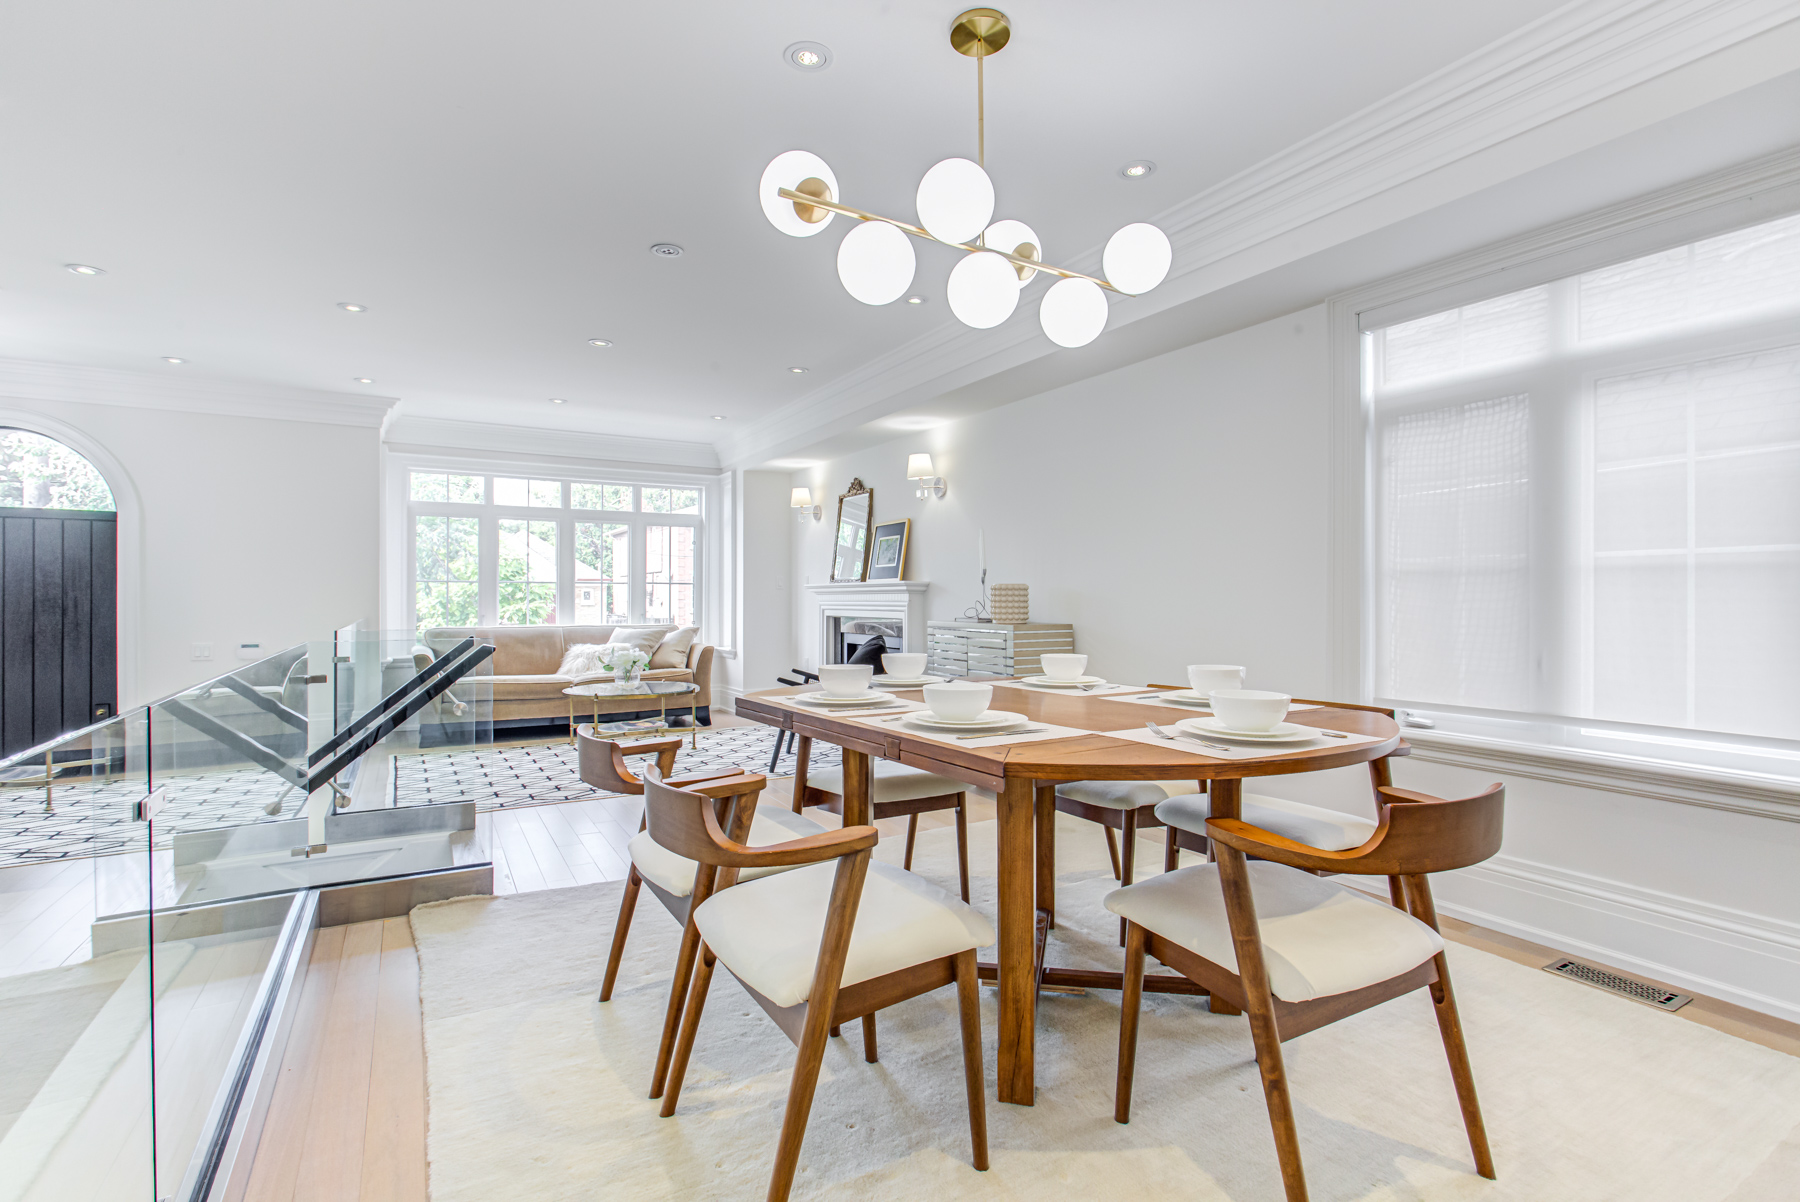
955 203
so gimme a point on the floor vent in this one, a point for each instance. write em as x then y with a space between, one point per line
1612 982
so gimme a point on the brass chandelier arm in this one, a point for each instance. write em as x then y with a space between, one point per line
921 232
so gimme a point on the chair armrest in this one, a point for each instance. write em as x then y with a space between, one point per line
803 674
1389 793
813 849
663 749
734 783
1266 845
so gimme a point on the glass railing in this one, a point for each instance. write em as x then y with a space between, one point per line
154 871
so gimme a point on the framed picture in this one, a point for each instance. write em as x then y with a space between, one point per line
888 559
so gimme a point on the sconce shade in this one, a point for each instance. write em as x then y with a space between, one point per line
918 467
956 200
801 497
983 290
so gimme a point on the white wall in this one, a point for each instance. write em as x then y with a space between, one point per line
762 640
1176 512
245 529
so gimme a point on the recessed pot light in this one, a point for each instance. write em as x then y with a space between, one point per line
799 371
347 307
172 359
84 269
599 342
666 250
718 417
363 380
1137 170
915 299
808 56
559 400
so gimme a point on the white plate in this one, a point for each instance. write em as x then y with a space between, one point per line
869 698
1183 697
1284 732
1076 682
905 682
994 720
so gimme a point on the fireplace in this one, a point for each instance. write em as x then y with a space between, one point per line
849 614
849 634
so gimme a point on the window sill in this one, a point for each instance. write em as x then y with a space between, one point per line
1712 786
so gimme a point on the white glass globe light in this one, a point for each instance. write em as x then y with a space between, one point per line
956 200
1073 312
788 170
875 262
1137 258
984 290
1011 236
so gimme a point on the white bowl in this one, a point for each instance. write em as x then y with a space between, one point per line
1204 678
845 680
1063 667
1249 709
958 699
907 665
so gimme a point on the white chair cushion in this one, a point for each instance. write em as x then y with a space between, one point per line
1125 794
675 874
1327 830
1319 937
889 781
767 931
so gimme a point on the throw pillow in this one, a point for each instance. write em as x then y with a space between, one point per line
583 659
871 652
672 652
644 638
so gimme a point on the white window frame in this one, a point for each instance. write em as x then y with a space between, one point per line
709 612
1755 774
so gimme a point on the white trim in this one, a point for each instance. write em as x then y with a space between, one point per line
63 382
129 598
1681 941
903 599
493 442
1411 151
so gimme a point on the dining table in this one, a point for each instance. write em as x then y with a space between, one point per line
1023 777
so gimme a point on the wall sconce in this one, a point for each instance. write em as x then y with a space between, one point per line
802 500
918 468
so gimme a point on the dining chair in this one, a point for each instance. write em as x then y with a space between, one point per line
895 791
839 937
1299 951
670 877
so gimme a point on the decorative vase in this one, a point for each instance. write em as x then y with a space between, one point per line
628 675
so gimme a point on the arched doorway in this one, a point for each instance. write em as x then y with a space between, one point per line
58 591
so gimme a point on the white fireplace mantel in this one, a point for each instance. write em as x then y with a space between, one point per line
902 599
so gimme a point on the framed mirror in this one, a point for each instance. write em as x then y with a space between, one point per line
850 552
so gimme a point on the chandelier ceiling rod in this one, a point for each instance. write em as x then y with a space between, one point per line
801 198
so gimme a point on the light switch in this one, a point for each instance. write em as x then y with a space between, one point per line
202 651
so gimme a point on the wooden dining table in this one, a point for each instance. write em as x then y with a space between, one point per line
1023 778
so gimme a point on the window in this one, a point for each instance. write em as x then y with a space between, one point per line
512 550
1587 495
40 473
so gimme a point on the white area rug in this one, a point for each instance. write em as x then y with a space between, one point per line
538 1091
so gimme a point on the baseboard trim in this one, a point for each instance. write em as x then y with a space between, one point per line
1746 959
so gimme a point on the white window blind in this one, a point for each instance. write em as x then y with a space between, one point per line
1586 495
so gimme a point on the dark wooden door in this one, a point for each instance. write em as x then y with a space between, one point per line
59 664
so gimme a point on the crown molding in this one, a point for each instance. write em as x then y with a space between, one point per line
437 435
30 380
1571 60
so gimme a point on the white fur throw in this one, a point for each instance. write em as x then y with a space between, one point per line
586 659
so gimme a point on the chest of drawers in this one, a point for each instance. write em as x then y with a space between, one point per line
993 648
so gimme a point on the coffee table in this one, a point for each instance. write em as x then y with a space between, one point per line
661 690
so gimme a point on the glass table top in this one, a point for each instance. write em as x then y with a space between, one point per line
643 688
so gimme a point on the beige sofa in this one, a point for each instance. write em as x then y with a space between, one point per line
521 675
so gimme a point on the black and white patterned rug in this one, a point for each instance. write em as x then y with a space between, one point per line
544 774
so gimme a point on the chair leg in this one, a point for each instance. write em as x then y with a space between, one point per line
968 1003
869 1038
912 836
1397 892
1456 1049
1112 849
962 843
684 968
1130 1003
1127 859
690 1022
627 906
775 756
1171 849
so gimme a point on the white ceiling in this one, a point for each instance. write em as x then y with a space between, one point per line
488 178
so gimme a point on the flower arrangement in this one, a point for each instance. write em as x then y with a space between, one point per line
626 662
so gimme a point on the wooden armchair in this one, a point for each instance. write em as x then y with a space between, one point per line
812 954
1203 922
672 878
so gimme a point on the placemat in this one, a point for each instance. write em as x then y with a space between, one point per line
1139 734
894 705
1096 691
1156 699
1042 731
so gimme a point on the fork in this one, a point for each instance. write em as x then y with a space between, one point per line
1157 730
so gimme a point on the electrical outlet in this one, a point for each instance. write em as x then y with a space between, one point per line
202 651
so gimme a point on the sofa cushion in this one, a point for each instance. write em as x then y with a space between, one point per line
518 650
644 638
672 652
529 688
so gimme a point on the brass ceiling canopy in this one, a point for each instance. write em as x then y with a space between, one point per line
980 32
799 195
